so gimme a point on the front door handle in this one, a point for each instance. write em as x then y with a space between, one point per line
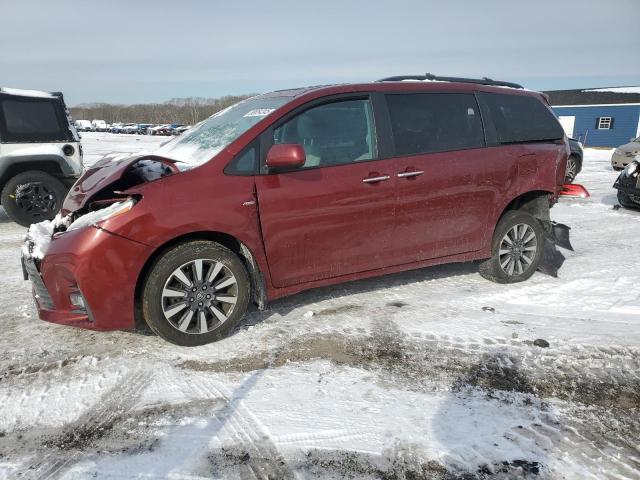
410 174
376 179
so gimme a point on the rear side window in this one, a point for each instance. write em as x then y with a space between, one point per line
434 122
29 120
519 118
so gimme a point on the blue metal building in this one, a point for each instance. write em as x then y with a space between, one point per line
601 117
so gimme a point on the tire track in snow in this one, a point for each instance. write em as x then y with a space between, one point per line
67 447
252 438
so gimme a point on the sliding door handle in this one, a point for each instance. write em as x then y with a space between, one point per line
415 173
379 178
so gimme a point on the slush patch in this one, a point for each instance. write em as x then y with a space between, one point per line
259 112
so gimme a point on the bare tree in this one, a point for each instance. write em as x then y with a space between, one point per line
183 111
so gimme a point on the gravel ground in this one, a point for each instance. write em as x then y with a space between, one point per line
434 373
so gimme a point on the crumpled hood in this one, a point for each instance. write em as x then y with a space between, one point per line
112 171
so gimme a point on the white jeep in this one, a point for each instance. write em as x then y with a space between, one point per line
40 154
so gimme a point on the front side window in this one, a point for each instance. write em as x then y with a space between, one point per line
332 134
521 118
202 142
434 122
604 123
28 120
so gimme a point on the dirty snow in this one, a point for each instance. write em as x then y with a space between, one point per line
434 373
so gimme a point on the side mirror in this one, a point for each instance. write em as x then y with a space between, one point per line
285 156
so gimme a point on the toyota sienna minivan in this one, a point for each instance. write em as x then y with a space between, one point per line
298 189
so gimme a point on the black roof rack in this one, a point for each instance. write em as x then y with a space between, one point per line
430 76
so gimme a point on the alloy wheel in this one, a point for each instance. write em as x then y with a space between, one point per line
199 296
572 170
518 249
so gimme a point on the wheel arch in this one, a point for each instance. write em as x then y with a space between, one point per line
12 167
535 202
258 284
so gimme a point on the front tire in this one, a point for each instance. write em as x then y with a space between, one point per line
517 246
33 196
195 293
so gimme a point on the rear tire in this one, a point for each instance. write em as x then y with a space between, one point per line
33 196
516 249
571 172
195 293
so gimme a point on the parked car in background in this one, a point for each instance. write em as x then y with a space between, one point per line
574 162
116 127
626 153
99 125
83 125
130 128
40 154
299 189
142 128
158 130
168 130
628 185
181 129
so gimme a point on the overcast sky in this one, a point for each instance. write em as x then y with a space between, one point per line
144 51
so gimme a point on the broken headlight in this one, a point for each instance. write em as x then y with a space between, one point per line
97 216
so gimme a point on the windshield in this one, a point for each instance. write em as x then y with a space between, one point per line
206 139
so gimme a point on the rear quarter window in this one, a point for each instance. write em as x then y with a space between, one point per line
32 120
434 122
518 119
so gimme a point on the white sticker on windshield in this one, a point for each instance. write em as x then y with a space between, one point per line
259 112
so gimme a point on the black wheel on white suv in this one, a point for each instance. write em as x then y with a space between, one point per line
195 293
516 250
33 196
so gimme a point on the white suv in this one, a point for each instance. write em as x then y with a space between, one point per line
40 154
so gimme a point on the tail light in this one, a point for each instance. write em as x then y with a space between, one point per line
574 190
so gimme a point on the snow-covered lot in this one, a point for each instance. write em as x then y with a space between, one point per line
434 373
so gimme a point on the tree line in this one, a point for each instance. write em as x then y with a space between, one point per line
184 111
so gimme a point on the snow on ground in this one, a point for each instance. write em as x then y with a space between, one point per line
432 373
96 145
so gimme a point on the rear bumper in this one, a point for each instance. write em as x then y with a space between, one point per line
100 266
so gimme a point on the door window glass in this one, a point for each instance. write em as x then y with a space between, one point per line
434 122
332 134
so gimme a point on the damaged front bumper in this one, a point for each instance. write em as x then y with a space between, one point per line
629 184
85 278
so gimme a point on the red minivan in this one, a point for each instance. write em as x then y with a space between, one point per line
297 189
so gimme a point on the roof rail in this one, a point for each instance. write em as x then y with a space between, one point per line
434 78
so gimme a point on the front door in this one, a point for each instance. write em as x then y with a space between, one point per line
335 215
